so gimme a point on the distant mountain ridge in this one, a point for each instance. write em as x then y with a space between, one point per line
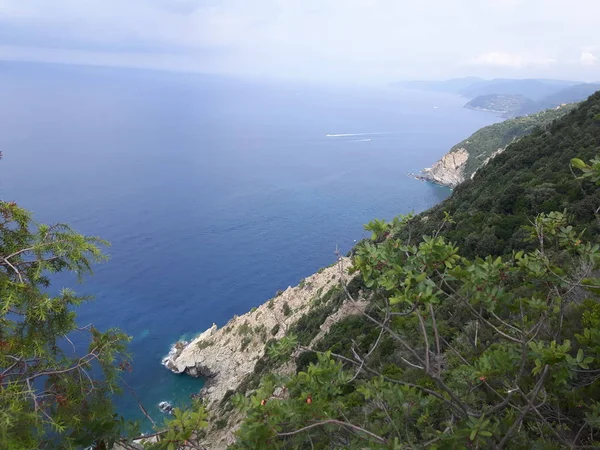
510 97
454 85
534 89
507 105
471 87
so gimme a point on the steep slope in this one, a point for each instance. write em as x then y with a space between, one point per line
446 337
532 176
488 216
466 157
225 356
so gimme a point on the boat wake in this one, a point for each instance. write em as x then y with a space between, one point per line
343 135
348 134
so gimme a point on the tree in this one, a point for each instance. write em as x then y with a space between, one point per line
479 353
50 395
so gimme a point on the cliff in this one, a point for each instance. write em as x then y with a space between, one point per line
230 358
448 171
225 356
468 156
382 363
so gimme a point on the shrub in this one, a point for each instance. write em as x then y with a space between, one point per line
204 344
244 329
220 424
245 342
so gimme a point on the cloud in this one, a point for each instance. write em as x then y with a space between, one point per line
317 39
510 60
588 59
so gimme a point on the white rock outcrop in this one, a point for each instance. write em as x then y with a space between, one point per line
448 171
225 356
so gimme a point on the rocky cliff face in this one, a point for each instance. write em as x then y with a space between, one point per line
469 155
448 171
225 356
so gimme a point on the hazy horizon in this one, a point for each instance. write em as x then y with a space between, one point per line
356 41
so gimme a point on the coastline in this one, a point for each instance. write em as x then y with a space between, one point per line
225 356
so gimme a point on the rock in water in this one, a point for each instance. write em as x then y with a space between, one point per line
166 407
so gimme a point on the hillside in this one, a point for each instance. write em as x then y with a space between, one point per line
506 104
509 97
532 176
514 105
466 157
428 344
451 349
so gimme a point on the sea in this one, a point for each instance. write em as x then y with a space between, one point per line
214 192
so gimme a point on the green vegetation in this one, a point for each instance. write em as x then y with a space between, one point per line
482 144
532 176
482 330
52 395
512 104
205 344
58 380
508 105
245 342
457 350
244 329
475 353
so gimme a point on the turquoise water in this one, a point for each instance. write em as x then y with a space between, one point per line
215 192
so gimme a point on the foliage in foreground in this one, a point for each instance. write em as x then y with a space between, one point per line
455 351
51 396
479 353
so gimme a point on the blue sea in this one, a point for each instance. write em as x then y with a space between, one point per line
215 192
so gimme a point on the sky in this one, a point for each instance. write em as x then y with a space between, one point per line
335 40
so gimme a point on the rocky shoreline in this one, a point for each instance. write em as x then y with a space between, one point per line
448 171
226 356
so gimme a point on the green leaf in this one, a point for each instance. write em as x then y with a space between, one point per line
395 300
578 163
